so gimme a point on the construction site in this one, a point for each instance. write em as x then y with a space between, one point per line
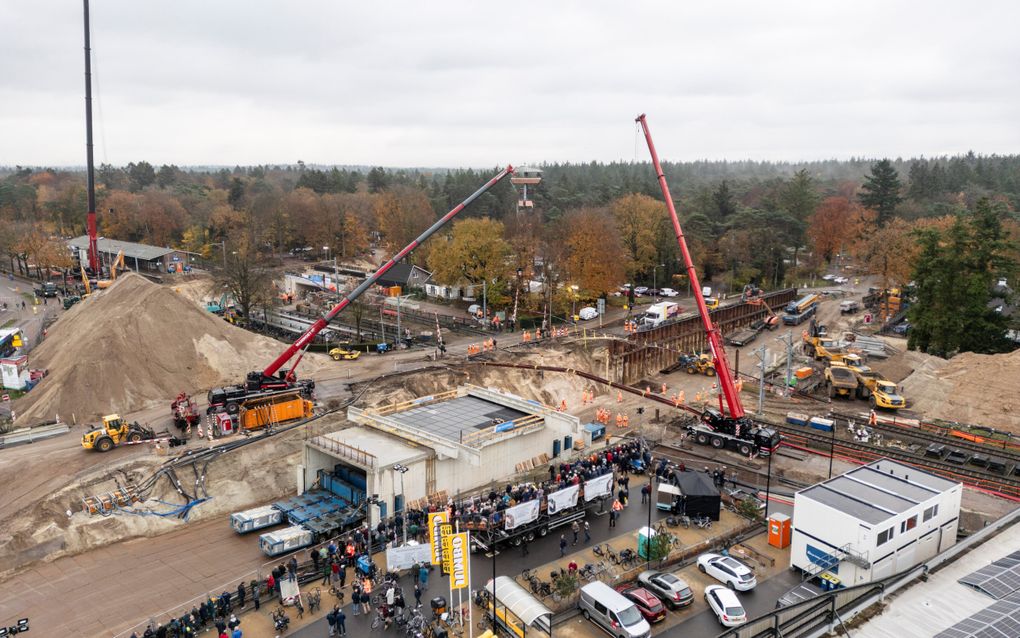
174 421
359 440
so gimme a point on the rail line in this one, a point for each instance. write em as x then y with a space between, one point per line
995 483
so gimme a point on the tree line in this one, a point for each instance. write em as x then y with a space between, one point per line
593 225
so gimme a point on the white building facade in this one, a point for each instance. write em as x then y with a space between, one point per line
872 522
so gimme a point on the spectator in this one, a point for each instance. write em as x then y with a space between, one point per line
563 545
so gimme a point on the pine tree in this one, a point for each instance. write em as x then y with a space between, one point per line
881 190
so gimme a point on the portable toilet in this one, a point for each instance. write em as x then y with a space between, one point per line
644 541
779 530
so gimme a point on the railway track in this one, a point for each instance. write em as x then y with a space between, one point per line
863 452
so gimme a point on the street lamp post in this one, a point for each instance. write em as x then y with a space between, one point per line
573 302
370 501
648 537
403 507
655 285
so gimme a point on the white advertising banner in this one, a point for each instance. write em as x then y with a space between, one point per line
522 514
563 499
398 558
597 487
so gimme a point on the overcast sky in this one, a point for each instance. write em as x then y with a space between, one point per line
487 83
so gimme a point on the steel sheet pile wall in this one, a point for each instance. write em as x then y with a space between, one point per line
652 350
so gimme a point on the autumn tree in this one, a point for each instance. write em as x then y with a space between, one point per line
890 253
593 260
246 275
834 226
475 251
637 218
402 213
881 191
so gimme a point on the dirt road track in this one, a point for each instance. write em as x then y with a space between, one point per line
102 592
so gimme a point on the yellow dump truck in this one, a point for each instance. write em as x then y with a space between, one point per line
841 381
256 414
879 391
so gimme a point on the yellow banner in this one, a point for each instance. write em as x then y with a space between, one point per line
447 543
460 560
435 537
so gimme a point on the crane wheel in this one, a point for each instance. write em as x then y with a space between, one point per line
702 438
717 442
104 444
745 449
232 408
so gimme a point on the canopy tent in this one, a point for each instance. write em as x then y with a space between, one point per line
699 495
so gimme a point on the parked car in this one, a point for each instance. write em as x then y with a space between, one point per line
725 605
670 589
668 292
587 313
728 570
614 614
828 277
645 601
641 290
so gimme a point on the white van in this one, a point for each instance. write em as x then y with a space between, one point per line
608 609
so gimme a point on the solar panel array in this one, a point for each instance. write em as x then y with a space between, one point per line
998 579
1001 619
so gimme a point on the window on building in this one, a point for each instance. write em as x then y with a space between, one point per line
908 524
886 536
931 513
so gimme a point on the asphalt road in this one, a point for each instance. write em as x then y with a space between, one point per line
508 562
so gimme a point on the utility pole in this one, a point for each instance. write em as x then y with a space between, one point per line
485 304
789 361
400 334
760 353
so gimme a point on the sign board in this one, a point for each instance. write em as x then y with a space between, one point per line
436 519
600 305
563 499
598 486
446 530
405 557
522 514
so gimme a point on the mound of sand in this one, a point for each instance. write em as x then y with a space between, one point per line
135 345
970 388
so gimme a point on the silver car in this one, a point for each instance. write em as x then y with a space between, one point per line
674 592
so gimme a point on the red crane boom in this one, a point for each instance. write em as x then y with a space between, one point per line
323 321
722 368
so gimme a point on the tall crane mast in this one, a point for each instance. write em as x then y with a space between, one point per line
722 368
268 376
90 168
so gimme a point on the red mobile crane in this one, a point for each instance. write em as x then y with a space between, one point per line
274 377
717 428
90 170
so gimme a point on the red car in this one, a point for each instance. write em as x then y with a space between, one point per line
646 602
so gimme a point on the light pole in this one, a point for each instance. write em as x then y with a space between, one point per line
371 500
573 303
648 535
655 286
403 499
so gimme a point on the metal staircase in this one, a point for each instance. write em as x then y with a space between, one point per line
845 553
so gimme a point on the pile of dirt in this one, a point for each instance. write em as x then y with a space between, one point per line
136 345
970 388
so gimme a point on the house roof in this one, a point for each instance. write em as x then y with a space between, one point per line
878 491
130 248
400 274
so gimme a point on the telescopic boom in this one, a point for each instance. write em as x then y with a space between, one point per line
722 368
323 321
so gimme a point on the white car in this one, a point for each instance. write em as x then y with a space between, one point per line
587 313
724 603
668 292
828 277
727 570
640 290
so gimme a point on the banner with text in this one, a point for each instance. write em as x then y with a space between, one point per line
597 487
446 534
407 556
522 514
457 548
563 499
435 538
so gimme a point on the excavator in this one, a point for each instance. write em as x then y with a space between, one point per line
118 264
276 378
723 428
